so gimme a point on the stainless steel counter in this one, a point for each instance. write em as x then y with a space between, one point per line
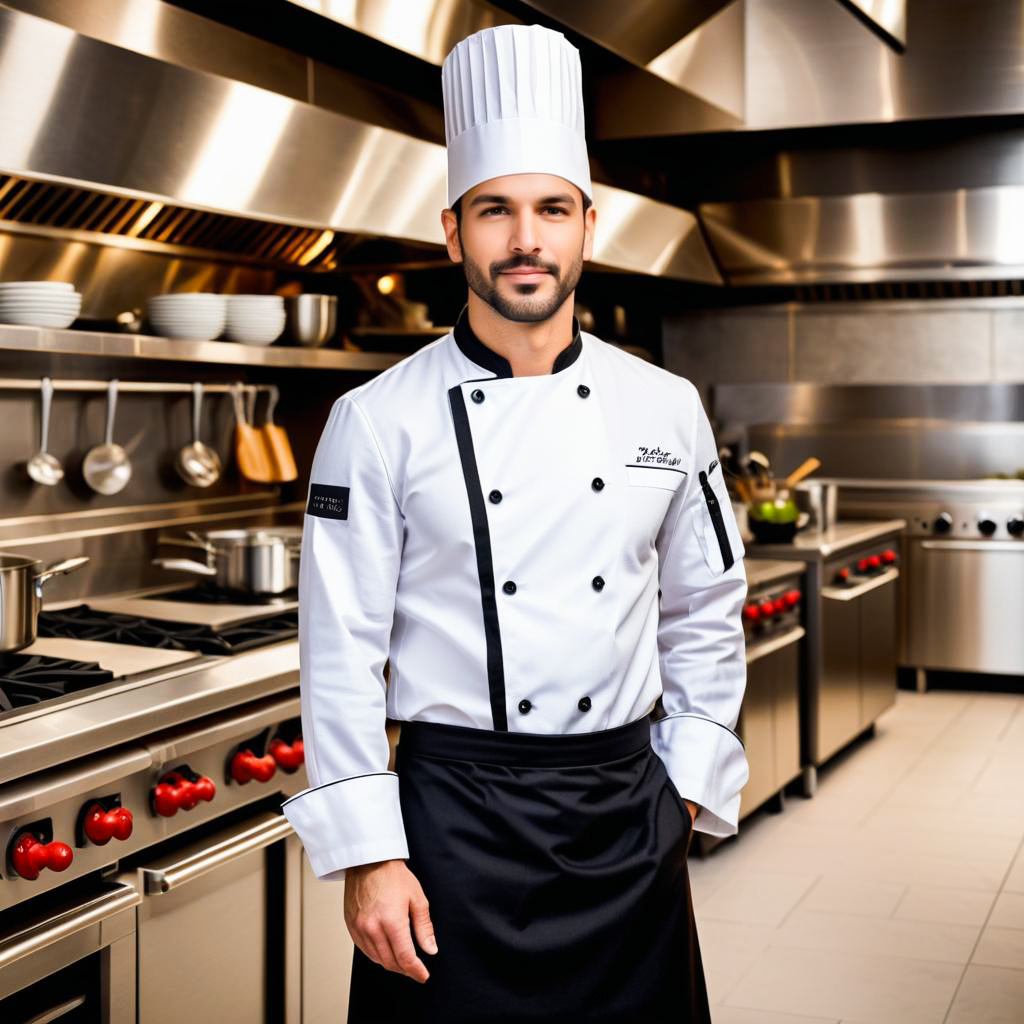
121 711
762 571
813 545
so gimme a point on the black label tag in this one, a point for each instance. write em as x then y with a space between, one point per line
328 502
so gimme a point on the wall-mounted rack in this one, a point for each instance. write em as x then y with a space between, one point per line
132 386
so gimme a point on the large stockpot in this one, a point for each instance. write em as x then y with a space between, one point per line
257 561
21 596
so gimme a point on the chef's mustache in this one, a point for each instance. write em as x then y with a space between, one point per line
516 262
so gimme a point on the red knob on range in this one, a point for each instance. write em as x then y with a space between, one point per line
863 565
888 556
245 766
30 856
288 755
101 826
176 793
791 598
843 575
874 562
767 608
751 613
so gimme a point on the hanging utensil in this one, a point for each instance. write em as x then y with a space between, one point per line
277 444
107 468
43 467
250 450
197 463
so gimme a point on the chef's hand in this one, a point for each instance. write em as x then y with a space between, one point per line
380 898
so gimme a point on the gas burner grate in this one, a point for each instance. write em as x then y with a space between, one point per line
84 623
27 679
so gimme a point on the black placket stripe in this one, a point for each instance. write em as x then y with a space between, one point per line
484 561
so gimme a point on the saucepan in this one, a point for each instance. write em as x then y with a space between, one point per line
256 561
21 596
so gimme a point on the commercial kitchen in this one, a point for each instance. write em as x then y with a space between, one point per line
216 218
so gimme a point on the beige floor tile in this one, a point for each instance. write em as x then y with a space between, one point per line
989 995
839 895
757 898
1008 911
852 933
728 951
856 986
1001 947
1015 879
950 906
740 1015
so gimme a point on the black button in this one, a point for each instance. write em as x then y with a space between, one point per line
583 391
598 583
477 395
597 483
509 587
584 704
495 497
524 706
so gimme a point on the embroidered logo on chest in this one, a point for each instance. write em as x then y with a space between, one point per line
655 456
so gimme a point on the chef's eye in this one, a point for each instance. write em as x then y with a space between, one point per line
494 209
555 209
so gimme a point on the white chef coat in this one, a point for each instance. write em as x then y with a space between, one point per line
539 554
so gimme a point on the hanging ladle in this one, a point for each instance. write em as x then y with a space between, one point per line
106 468
197 463
43 467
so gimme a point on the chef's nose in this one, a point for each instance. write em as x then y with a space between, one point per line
524 234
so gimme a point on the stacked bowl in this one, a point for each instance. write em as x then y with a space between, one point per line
197 316
39 303
255 319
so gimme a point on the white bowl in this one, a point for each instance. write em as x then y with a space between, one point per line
254 320
72 303
39 319
188 297
38 286
254 335
193 329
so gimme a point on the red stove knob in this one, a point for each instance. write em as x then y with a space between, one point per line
751 613
843 576
874 562
205 788
176 793
246 766
101 826
30 856
767 608
889 556
863 565
287 755
791 598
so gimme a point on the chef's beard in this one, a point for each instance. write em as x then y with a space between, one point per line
527 308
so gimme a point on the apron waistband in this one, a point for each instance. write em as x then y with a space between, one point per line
532 749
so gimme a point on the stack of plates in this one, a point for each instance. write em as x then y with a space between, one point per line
39 303
255 319
198 316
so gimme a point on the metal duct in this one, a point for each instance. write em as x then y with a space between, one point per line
95 116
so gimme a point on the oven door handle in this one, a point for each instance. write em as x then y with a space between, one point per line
39 934
265 830
972 545
852 593
776 643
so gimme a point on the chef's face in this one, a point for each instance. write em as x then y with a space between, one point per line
522 240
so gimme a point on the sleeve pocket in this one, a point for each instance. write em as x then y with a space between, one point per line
716 525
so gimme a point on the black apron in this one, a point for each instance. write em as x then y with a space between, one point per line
555 870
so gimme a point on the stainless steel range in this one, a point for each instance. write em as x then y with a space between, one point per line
963 552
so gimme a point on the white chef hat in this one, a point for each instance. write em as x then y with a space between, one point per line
513 104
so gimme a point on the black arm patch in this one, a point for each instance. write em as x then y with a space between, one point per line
327 501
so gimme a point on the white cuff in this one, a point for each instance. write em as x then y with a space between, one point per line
348 822
706 762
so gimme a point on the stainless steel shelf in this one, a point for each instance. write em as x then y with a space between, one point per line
226 353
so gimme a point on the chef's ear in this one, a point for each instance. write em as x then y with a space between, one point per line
452 237
589 221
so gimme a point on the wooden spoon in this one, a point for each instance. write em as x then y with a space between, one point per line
277 444
253 460
805 468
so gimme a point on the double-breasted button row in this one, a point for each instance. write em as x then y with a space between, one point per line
509 587
477 395
583 704
494 497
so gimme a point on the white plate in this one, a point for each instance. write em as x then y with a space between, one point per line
39 304
41 286
39 320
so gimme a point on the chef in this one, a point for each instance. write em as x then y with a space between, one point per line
533 526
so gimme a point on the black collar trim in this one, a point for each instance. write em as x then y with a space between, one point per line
476 351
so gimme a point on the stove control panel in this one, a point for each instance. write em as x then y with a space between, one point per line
771 609
860 566
995 520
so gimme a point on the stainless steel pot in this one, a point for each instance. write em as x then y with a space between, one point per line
256 561
21 596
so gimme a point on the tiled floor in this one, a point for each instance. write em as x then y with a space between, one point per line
895 894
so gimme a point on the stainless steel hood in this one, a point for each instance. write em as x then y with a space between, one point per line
83 112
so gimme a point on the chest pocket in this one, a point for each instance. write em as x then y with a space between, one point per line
654 476
715 524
